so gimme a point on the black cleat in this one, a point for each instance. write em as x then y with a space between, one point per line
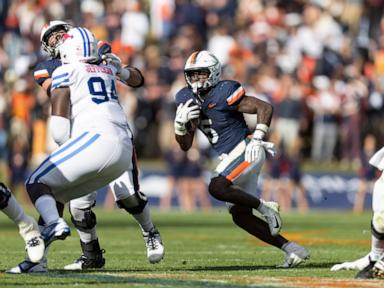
367 272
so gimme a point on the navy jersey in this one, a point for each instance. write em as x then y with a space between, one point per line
43 70
223 125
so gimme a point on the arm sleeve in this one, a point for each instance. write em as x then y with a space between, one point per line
61 77
235 93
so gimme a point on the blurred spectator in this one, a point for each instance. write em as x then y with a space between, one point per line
325 104
185 179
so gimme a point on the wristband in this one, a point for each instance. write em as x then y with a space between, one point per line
260 131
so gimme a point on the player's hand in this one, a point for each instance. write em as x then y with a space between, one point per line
270 148
103 48
184 114
113 60
252 151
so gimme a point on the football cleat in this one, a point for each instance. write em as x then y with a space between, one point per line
84 263
92 257
367 271
34 243
358 264
29 267
272 216
155 247
55 231
378 269
295 255
35 248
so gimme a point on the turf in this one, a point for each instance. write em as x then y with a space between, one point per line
202 250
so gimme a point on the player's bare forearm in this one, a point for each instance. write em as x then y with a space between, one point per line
253 105
185 141
136 79
61 103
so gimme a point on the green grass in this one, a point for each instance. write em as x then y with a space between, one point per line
202 250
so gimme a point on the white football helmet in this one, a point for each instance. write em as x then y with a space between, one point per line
78 45
47 31
202 61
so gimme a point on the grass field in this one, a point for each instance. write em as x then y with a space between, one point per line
202 250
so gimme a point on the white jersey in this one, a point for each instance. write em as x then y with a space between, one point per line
94 100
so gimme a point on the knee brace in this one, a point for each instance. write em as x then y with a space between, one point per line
82 218
5 194
133 204
37 190
377 225
218 186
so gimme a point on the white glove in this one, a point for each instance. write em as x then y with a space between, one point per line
184 114
252 151
358 264
113 60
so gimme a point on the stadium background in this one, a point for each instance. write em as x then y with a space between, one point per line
320 63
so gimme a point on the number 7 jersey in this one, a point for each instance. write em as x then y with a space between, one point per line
94 100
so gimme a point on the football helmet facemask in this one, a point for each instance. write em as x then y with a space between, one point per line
54 29
202 61
78 45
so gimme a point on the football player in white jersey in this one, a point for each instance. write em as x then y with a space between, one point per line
28 228
89 125
372 265
127 195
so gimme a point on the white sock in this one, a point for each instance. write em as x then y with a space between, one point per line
87 236
46 205
14 211
377 248
144 219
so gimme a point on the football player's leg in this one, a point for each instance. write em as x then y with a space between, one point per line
28 228
227 185
66 168
377 230
128 197
84 220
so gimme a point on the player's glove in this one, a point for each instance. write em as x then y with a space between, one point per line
103 48
115 61
252 151
184 114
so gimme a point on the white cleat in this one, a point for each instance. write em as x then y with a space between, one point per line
154 244
358 264
272 216
295 255
29 267
35 248
34 243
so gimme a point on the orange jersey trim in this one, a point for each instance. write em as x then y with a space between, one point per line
240 92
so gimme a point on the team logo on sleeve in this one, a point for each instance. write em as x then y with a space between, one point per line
43 73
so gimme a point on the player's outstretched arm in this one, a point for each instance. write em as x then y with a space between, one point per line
264 113
253 105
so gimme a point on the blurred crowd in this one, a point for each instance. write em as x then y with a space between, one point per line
319 62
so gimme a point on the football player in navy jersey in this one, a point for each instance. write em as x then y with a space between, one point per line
216 108
82 216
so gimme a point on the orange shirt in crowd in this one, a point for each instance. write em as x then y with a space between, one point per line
22 103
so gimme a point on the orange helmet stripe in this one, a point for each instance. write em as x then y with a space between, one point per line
193 57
